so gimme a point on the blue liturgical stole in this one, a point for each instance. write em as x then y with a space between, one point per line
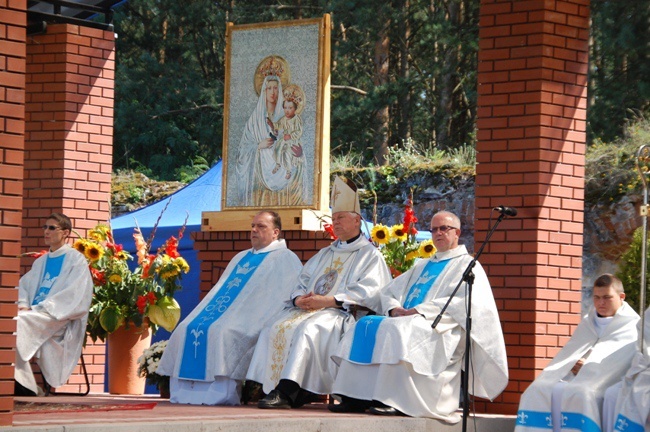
53 267
625 424
365 332
419 290
365 335
571 420
196 337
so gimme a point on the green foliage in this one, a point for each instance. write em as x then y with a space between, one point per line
630 271
134 194
414 62
187 173
619 87
464 156
169 84
610 168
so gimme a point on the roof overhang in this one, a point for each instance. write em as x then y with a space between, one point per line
79 12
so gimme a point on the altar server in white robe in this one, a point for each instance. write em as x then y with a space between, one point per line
292 357
627 403
568 394
208 354
397 363
53 302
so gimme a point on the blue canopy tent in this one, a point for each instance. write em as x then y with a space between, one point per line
202 194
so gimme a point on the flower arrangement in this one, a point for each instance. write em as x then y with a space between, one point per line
398 244
148 365
125 297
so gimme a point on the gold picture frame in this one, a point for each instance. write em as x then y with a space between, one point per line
276 116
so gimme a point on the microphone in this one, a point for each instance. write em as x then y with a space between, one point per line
508 211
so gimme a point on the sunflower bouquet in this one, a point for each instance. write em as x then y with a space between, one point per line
398 244
130 297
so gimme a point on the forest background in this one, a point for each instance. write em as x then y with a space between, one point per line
404 72
404 92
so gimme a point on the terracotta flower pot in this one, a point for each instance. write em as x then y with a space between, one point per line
124 348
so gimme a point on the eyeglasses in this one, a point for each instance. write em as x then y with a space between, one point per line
442 229
51 227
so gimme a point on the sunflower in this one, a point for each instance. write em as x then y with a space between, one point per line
122 255
115 278
99 233
94 252
80 245
182 264
380 234
427 249
397 232
412 255
170 272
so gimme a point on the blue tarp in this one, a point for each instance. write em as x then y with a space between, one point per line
203 194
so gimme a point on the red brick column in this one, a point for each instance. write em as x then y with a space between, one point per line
531 145
69 136
216 249
13 22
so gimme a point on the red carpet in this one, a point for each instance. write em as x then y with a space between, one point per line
46 407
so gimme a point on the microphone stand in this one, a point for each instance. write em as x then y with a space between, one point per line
468 276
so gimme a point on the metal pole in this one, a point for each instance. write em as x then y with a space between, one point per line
643 166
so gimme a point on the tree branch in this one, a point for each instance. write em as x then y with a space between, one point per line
186 110
353 89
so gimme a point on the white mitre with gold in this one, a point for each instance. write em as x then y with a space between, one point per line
345 197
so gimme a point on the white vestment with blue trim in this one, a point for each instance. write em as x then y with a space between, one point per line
632 408
230 338
582 398
54 329
414 368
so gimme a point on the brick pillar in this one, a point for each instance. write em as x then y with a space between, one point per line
69 136
216 249
13 22
531 146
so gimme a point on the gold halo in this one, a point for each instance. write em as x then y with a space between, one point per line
296 91
267 67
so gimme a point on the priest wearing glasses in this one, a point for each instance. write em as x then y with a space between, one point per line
53 302
397 364
292 357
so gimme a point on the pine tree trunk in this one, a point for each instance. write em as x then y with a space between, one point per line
382 117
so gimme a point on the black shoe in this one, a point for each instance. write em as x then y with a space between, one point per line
305 397
21 390
347 407
385 411
252 392
274 400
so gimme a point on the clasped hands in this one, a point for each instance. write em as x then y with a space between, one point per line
311 301
400 311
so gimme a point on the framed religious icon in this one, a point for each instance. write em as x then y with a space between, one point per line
276 115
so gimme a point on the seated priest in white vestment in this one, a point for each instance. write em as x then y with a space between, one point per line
397 363
53 301
209 352
568 394
292 357
627 403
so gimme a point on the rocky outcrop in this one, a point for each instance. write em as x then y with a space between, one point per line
131 190
608 230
